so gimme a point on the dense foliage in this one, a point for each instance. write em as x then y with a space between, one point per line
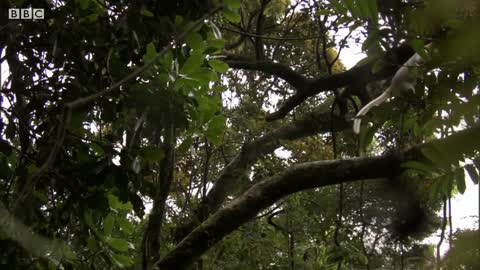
212 134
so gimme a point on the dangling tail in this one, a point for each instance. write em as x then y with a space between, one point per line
379 100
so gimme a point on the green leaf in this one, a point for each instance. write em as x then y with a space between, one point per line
193 63
185 145
115 203
117 244
419 167
218 65
126 226
440 185
97 149
145 12
204 76
472 172
152 154
92 17
232 16
216 43
363 8
338 7
373 10
39 195
92 243
195 41
434 155
150 53
88 217
215 128
32 168
178 20
52 265
232 4
419 47
166 60
355 25
322 12
352 7
366 136
68 253
108 223
460 180
122 260
372 40
363 259
83 4
207 107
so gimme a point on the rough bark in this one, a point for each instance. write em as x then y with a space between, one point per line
294 179
313 123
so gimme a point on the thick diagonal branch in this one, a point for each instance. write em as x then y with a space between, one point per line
314 123
297 178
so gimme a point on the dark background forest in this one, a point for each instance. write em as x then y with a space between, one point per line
209 134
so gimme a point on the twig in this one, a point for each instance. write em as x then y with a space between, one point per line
269 37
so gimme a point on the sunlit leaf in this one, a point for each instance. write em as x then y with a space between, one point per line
125 225
150 53
192 64
115 203
195 41
108 223
215 129
68 253
122 260
218 65
419 48
118 244
231 16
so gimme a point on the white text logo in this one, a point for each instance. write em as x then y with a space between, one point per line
26 13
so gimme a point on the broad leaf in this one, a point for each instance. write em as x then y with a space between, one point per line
218 65
118 244
108 223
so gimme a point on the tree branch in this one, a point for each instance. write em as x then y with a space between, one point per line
313 123
284 72
306 87
294 179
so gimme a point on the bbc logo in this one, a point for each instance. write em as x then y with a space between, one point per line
26 13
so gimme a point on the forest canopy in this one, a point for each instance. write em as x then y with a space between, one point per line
210 134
